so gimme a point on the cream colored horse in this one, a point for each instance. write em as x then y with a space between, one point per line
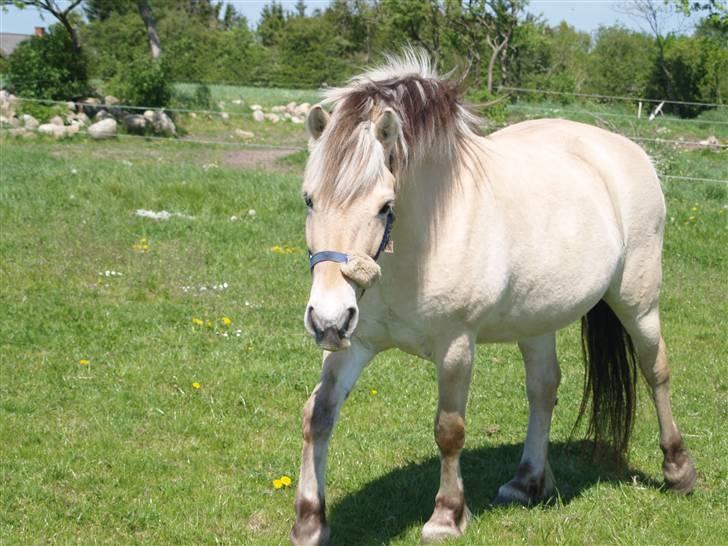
501 238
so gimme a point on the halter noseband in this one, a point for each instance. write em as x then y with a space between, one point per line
342 257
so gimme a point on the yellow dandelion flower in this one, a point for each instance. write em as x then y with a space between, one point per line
226 321
198 322
277 484
373 392
692 218
197 386
84 362
694 209
286 480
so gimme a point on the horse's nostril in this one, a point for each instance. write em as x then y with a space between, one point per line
311 320
350 314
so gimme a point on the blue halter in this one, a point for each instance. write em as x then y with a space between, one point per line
342 257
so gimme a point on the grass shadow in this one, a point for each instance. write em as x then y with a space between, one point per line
387 507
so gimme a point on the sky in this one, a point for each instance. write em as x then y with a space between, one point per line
584 15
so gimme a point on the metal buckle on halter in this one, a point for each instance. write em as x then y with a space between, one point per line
342 257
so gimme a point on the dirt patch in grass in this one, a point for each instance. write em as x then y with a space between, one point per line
259 159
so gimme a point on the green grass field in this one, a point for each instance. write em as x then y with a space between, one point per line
106 439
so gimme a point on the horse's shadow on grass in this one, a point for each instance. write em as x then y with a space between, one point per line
387 507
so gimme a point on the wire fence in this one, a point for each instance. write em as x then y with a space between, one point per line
644 120
293 149
526 90
514 107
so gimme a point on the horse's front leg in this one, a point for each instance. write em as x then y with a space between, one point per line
320 413
534 480
451 514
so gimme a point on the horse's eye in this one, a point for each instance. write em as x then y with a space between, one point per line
307 199
386 209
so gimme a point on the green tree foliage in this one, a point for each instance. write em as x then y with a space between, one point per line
310 53
48 67
272 20
551 58
621 63
296 46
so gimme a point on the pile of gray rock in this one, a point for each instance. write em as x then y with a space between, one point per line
295 113
99 119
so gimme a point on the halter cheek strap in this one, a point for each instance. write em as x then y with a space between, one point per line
342 257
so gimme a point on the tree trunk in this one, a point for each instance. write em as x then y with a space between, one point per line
147 16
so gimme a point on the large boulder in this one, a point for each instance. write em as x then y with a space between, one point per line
57 120
273 118
135 124
103 129
110 100
255 107
29 122
291 107
258 115
162 124
225 116
52 129
149 114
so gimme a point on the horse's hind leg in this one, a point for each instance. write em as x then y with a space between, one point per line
534 480
451 515
644 330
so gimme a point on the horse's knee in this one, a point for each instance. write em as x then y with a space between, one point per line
450 433
318 417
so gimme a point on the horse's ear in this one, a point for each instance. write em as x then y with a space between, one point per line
316 121
387 128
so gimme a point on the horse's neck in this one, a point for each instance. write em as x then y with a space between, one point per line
426 196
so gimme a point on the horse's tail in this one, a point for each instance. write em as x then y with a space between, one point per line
611 378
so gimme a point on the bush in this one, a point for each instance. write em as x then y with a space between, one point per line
48 67
41 112
143 82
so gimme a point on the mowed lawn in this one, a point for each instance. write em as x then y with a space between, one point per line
156 403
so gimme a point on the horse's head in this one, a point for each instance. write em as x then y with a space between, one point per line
349 190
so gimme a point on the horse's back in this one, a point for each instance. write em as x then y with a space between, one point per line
617 162
578 205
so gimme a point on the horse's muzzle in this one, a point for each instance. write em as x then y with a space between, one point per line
332 335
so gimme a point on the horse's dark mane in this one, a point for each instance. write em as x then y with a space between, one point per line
434 122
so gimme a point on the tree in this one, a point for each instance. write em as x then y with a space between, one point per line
272 20
418 22
484 28
145 11
621 62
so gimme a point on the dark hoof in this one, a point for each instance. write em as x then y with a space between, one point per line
683 480
508 495
679 470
